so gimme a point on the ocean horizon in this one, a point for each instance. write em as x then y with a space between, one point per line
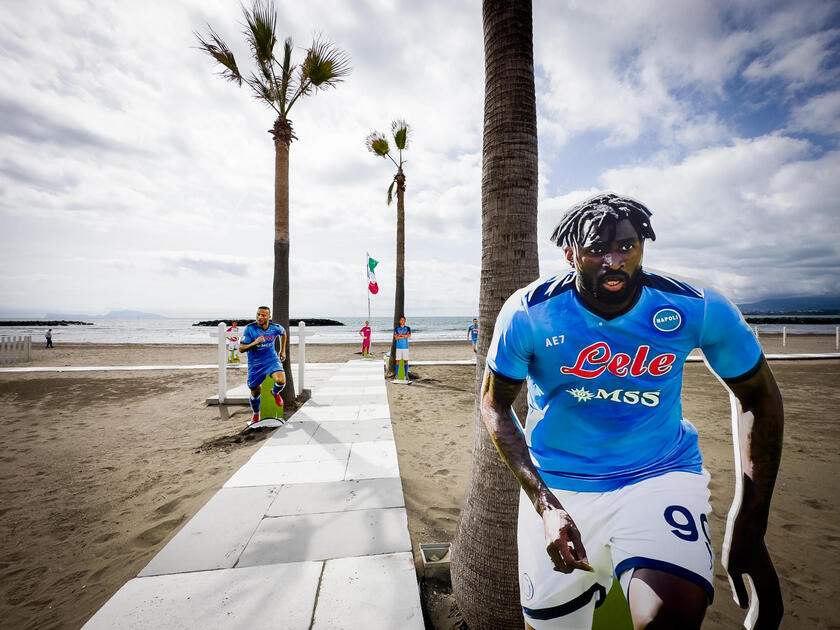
181 330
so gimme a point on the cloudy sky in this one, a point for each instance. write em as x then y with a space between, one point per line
133 177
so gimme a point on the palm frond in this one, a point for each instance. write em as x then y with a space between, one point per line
391 191
218 50
325 65
264 90
287 74
402 134
377 144
261 22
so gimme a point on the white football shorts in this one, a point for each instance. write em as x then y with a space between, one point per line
402 353
660 523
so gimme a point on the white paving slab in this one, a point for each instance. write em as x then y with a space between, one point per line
254 598
359 431
280 473
320 399
371 411
370 592
295 432
274 451
327 535
314 498
321 413
216 536
369 460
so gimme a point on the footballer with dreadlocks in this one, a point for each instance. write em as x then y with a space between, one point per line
612 478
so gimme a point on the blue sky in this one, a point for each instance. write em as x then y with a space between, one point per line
133 177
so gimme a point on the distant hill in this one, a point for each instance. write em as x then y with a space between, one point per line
816 305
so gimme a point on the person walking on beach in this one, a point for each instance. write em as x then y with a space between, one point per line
48 336
258 339
612 476
365 333
402 334
472 334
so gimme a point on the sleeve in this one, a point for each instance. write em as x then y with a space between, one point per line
730 346
280 330
247 336
512 346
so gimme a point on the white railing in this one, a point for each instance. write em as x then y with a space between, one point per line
18 348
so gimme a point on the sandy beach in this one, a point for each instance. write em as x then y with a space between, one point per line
100 469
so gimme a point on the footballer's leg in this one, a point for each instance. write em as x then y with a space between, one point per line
279 378
255 379
659 599
663 554
554 600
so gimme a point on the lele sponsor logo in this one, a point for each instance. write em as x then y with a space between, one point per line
598 357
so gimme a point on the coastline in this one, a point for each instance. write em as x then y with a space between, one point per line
100 469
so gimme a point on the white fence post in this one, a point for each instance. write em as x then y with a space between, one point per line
222 327
837 337
301 353
784 336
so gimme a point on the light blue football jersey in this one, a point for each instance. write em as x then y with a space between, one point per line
263 354
604 407
402 344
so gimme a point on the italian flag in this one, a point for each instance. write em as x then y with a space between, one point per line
371 265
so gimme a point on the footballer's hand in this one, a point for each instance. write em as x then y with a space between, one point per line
563 543
259 339
282 356
748 555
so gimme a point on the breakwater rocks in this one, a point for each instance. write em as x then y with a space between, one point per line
792 319
244 321
47 322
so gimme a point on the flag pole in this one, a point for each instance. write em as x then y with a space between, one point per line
367 281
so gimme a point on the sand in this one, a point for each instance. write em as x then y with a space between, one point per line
100 469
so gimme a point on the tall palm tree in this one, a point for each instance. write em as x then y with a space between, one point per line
378 145
484 573
279 84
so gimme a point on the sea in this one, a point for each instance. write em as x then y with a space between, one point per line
182 331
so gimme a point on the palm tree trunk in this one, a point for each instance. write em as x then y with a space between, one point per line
484 573
283 135
399 287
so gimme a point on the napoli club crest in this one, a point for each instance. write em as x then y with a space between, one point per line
667 319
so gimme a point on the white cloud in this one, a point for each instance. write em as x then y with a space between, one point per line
821 114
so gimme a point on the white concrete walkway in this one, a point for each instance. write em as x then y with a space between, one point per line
310 533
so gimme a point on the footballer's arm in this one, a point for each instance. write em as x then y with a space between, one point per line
760 425
497 396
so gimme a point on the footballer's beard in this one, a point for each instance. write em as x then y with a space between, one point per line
594 286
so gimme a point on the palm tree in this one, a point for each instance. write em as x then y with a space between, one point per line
484 574
378 145
279 84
